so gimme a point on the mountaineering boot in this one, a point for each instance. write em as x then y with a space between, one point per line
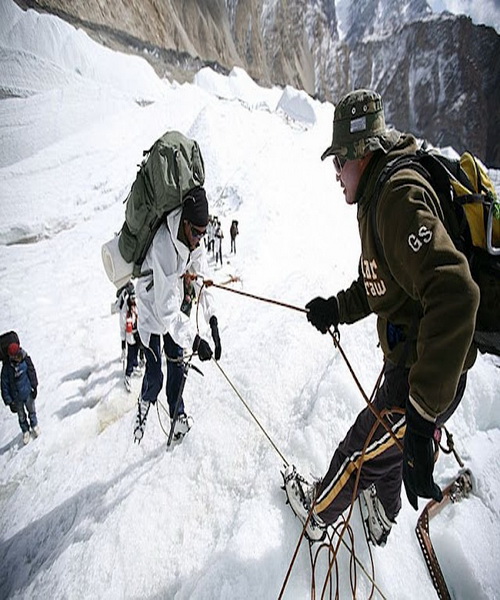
300 494
140 420
182 425
26 437
377 524
36 431
128 384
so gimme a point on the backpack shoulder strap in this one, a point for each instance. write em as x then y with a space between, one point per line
407 161
438 171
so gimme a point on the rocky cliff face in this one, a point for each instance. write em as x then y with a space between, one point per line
365 18
439 80
439 76
275 41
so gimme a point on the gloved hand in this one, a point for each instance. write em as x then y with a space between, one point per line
215 336
13 407
203 348
34 392
418 458
323 313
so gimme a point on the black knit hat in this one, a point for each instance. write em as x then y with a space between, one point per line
196 207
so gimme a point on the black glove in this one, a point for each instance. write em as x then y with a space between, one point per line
323 313
34 392
215 336
418 458
13 407
203 348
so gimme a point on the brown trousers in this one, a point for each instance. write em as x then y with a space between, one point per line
383 461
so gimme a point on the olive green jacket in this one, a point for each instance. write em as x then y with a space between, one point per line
420 282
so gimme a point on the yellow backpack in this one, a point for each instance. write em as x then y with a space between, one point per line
471 215
475 191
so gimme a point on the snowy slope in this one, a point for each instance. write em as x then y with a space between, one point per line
85 513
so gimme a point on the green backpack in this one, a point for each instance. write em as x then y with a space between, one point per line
171 167
471 215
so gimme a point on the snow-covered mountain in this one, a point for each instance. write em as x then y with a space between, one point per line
486 12
86 514
438 73
366 18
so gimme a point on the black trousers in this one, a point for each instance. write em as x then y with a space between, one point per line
383 461
132 351
153 376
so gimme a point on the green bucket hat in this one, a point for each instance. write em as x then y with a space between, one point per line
359 126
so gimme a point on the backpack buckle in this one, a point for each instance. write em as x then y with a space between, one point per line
494 250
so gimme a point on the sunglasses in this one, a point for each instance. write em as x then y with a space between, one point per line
338 163
195 232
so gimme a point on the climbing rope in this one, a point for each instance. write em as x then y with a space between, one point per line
251 413
336 341
450 449
165 410
326 546
344 526
329 546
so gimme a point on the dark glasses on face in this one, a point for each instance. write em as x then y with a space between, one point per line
195 232
338 163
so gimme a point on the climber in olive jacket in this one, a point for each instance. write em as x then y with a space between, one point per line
420 287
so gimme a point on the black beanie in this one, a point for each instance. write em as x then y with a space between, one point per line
196 207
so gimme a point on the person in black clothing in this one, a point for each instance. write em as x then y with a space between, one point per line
219 235
233 232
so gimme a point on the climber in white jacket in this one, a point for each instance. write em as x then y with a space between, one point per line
175 251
